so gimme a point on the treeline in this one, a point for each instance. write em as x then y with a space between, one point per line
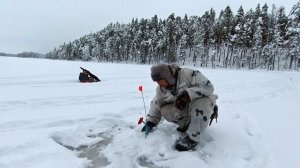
6 54
30 55
259 38
24 55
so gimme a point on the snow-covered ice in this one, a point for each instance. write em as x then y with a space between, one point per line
48 119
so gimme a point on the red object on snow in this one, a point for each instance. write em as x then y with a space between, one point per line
140 120
141 88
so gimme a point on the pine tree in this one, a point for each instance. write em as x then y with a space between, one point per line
133 51
154 29
265 24
182 49
239 38
143 38
227 25
279 35
257 12
191 29
272 22
171 38
199 38
239 28
249 28
162 41
280 27
194 49
218 29
258 43
184 39
204 34
293 34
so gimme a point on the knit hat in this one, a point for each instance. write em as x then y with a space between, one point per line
162 71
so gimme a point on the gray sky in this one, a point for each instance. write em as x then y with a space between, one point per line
41 25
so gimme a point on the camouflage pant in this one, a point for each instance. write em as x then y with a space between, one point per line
196 114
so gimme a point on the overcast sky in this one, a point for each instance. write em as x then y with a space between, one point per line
41 25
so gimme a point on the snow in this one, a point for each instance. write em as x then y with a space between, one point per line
48 119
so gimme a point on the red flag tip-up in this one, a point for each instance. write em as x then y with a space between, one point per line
140 120
141 88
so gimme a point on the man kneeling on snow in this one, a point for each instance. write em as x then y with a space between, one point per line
184 97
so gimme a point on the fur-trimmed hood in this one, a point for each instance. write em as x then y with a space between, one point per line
164 71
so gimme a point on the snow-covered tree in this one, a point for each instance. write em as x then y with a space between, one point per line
226 24
293 34
258 43
171 38
249 28
239 29
265 24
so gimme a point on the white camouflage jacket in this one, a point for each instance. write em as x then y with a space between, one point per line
196 84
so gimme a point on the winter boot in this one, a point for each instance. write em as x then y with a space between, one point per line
185 144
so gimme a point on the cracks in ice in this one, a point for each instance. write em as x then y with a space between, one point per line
91 152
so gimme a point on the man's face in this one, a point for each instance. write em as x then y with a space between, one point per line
163 83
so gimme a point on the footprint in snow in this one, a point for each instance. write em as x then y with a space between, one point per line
145 162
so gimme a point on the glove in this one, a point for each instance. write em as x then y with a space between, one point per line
148 127
182 100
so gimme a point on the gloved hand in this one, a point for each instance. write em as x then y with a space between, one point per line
182 100
148 127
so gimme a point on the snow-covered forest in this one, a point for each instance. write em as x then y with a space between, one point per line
266 38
